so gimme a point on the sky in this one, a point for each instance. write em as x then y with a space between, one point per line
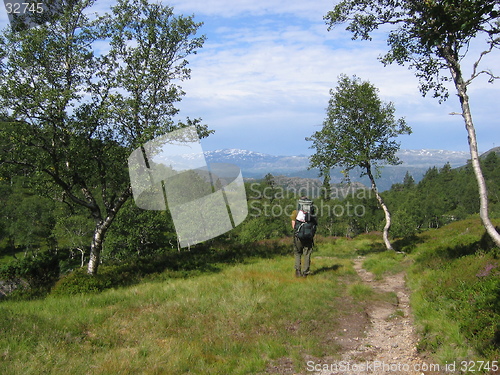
263 77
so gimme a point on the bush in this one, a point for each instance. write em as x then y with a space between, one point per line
34 275
79 281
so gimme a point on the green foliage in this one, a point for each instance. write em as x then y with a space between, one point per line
71 123
260 228
139 232
33 275
444 195
359 129
80 282
424 33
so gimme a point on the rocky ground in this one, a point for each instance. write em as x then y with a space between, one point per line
389 343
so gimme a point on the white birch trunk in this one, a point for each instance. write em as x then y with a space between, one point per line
387 226
461 87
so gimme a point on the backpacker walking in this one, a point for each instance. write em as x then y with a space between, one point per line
304 227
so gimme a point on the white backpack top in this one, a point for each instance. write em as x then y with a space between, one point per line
301 216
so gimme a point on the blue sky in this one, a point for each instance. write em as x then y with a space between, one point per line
263 77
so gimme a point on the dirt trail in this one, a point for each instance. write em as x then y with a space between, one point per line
389 344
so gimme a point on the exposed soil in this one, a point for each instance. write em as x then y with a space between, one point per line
389 343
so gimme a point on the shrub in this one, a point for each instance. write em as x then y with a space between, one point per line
78 281
33 275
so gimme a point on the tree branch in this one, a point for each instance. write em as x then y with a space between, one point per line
475 73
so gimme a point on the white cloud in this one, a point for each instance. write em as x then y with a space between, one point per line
232 8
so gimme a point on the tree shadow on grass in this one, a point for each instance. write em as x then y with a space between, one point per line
208 257
408 244
373 248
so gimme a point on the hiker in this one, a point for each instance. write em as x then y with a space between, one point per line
304 227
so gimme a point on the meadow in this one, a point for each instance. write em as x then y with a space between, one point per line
253 316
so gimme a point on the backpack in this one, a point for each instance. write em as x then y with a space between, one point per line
305 227
305 230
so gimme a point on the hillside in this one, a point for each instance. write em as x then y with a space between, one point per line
255 317
313 187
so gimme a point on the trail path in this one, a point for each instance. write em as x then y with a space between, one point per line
389 345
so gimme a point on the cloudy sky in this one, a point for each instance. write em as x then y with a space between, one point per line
263 77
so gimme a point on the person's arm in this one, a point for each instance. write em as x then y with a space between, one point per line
292 217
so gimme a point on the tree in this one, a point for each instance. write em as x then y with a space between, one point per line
358 132
73 231
80 94
433 37
408 181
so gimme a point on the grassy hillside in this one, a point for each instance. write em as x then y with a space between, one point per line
236 321
454 275
252 316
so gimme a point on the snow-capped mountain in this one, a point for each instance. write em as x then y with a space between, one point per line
431 158
257 165
256 162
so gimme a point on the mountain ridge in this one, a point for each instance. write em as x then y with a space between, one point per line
255 165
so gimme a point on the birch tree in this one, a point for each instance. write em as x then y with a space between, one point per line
359 132
433 37
80 92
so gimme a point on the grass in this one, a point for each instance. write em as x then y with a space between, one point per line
385 262
456 293
235 321
248 314
360 291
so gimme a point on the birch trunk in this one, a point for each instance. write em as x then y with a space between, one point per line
461 87
387 226
102 226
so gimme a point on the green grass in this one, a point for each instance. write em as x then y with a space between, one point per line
456 293
385 262
236 321
349 248
360 291
242 316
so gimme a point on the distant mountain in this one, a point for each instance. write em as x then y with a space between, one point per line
257 165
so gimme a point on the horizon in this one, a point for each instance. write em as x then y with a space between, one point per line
307 155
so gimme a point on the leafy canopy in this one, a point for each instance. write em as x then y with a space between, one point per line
425 32
359 130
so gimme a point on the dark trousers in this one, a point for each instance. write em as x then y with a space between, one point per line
303 249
